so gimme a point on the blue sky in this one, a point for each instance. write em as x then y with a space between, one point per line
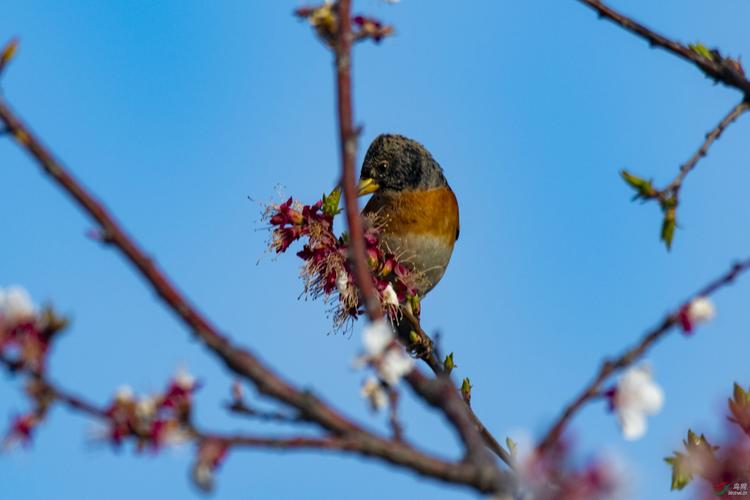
176 112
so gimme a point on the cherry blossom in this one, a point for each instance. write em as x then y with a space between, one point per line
636 396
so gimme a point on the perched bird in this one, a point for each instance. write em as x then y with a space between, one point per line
414 205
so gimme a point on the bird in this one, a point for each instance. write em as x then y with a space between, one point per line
414 204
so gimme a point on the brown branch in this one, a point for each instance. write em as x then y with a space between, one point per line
397 429
668 197
627 358
239 407
69 399
702 151
453 472
240 361
440 392
722 70
74 402
283 443
428 355
348 143
480 473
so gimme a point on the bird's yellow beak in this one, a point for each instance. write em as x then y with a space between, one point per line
367 186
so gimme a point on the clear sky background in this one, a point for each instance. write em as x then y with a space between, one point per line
174 112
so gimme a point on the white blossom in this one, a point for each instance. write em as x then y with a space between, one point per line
124 394
372 391
146 407
377 337
394 365
389 296
636 396
701 310
184 379
16 304
390 360
342 282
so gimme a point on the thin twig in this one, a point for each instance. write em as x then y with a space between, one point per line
396 428
242 408
702 151
627 358
283 443
58 394
423 348
721 70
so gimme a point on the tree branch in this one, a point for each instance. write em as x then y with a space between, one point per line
428 355
80 405
240 361
440 392
348 143
720 69
702 151
241 408
627 358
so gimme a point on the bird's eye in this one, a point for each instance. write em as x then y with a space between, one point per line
382 166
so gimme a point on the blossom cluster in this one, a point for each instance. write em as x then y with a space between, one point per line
324 20
154 420
634 397
327 270
25 331
387 357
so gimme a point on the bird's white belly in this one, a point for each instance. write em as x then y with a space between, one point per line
426 254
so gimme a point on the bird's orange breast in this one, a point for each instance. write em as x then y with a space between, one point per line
420 228
429 212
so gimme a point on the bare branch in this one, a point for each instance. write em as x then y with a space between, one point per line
720 69
627 358
74 402
240 361
702 151
239 407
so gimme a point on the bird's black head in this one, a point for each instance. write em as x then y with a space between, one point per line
394 162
